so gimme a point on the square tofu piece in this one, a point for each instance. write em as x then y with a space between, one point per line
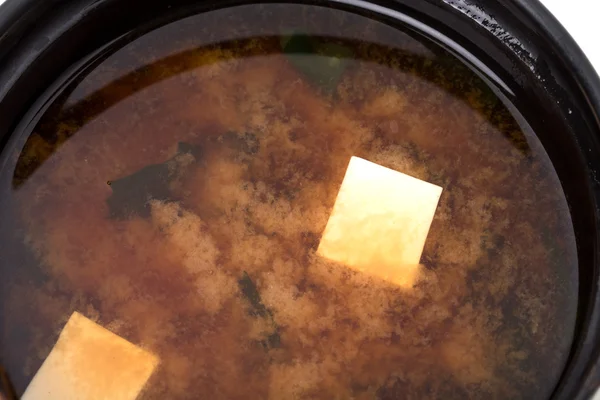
380 222
89 362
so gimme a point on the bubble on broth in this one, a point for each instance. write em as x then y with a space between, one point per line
218 274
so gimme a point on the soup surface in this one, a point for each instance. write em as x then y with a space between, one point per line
176 194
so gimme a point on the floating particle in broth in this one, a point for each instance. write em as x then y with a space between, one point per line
217 273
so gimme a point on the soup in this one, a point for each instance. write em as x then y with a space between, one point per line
177 193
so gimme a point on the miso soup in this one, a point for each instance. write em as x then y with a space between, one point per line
176 193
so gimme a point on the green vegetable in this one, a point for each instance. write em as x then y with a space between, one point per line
323 63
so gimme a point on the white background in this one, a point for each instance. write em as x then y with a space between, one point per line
581 19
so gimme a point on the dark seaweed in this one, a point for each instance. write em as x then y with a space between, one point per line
250 292
132 193
247 143
273 341
258 309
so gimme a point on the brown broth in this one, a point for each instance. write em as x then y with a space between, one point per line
492 315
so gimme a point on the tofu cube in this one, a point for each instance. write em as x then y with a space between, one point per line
89 362
380 222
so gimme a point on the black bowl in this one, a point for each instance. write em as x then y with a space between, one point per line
516 45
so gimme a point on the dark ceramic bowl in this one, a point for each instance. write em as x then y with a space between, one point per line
515 44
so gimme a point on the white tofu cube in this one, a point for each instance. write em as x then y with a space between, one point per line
380 222
89 362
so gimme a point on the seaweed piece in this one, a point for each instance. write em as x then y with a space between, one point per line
322 62
272 341
131 194
250 292
258 309
247 143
